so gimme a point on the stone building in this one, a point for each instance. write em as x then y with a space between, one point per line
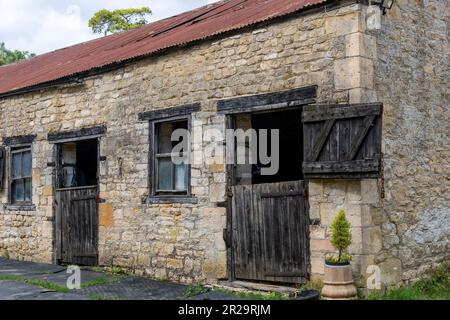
85 166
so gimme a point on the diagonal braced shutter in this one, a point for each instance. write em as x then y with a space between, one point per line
2 165
342 140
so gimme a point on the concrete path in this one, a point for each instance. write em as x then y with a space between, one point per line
21 280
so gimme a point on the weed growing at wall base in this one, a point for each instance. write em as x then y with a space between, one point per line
435 287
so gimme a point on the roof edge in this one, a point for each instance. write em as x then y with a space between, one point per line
79 76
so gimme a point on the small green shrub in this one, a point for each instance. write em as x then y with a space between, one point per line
345 258
341 238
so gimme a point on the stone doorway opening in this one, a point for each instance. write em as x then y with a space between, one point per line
269 218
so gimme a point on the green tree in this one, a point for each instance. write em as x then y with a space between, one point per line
342 236
105 21
10 56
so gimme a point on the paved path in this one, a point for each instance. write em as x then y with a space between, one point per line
36 281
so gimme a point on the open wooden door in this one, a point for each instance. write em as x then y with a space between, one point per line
269 221
77 202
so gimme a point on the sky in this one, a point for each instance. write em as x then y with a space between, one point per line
41 26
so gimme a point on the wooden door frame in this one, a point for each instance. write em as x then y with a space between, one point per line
57 156
230 123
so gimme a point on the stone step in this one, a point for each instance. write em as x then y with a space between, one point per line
254 286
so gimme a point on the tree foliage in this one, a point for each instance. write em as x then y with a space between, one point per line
106 21
342 237
10 56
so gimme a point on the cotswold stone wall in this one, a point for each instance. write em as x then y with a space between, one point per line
401 223
411 79
343 53
178 241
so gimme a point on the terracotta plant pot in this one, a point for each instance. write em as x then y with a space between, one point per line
338 282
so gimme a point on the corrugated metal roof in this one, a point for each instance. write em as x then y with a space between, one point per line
187 27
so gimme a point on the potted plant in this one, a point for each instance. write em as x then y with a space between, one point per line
338 280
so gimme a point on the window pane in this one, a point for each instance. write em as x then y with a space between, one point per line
165 174
16 165
17 191
26 164
180 177
165 130
27 190
164 137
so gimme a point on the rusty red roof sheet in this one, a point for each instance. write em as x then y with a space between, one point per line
187 27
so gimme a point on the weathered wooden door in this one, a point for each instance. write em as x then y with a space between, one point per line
270 225
76 203
78 214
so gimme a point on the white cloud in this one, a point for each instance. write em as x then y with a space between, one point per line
42 26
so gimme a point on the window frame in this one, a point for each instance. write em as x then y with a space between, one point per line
15 149
169 195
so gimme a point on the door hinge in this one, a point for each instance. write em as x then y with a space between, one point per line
226 237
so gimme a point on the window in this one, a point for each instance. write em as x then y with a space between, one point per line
20 175
170 178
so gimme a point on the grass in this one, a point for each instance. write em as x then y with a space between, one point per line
97 269
97 282
53 286
262 296
435 287
197 290
35 282
110 270
118 271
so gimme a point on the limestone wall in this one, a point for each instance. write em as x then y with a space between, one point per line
351 54
178 241
404 222
411 79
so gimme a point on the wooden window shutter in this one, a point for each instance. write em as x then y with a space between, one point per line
342 140
2 165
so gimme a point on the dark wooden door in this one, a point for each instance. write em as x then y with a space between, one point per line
270 232
78 225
